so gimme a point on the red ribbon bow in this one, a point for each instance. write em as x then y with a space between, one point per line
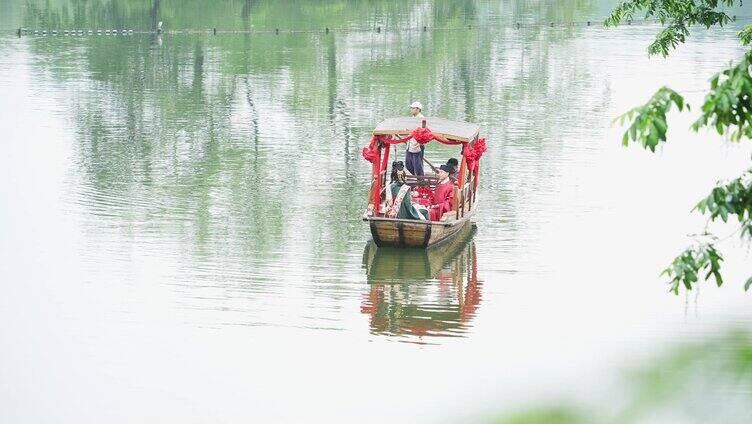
422 135
370 154
473 153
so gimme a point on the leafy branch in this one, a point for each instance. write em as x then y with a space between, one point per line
678 16
687 267
727 106
745 35
733 198
649 120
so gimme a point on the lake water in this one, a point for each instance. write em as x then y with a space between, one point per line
180 230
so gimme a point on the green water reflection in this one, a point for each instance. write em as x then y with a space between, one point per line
216 136
234 152
288 14
184 209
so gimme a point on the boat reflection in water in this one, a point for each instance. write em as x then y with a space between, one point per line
417 292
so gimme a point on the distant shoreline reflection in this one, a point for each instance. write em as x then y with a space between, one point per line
417 293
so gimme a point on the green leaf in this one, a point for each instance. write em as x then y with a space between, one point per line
685 267
745 35
718 278
647 123
748 284
727 105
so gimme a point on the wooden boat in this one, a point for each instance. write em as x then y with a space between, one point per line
418 233
422 292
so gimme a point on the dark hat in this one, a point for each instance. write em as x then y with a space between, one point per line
453 162
446 168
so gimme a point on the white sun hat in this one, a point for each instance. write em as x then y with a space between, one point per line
417 104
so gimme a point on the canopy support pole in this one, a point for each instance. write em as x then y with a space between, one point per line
385 163
377 184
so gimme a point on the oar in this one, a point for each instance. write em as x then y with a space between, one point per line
435 169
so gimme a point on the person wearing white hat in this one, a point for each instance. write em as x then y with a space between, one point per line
414 152
415 110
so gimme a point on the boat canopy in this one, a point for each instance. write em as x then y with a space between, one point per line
464 132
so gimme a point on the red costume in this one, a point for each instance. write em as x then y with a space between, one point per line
442 200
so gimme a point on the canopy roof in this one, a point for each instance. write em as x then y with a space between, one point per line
453 130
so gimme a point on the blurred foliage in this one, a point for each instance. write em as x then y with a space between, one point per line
545 415
702 381
745 35
727 108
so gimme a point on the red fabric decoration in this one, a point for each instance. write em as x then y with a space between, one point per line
424 196
425 192
443 140
480 147
473 153
422 135
395 140
370 154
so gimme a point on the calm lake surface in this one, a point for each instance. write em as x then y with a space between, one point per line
180 230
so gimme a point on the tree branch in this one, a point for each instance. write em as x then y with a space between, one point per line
680 15
648 126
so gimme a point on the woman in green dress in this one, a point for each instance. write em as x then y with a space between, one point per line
398 199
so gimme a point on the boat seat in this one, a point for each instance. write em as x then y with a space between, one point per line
422 180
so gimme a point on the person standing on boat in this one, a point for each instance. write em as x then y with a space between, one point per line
441 202
415 150
398 202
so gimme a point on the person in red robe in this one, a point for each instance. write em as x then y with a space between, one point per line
441 202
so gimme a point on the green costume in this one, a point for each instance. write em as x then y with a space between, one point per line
407 210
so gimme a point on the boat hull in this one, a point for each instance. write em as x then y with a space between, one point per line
417 234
